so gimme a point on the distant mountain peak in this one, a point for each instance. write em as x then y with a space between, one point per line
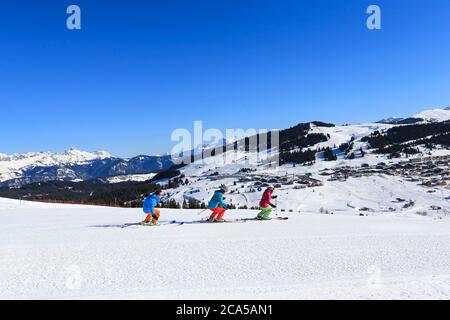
103 154
77 152
429 115
73 165
434 115
390 120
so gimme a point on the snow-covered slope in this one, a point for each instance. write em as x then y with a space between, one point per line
343 134
360 193
64 252
373 183
131 177
430 115
435 115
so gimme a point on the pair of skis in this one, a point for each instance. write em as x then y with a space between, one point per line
180 223
125 225
254 219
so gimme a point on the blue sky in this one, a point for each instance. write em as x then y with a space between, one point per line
140 69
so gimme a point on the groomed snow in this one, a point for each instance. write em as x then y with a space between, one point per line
57 251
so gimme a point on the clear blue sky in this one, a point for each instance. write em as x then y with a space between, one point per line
139 69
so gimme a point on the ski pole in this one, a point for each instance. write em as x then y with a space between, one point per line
202 211
276 207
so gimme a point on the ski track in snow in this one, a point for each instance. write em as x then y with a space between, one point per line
80 252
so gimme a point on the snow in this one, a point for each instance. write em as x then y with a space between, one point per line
130 177
11 166
377 192
372 246
79 252
390 120
343 134
430 115
434 115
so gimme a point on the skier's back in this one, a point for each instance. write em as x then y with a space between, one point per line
266 204
150 203
217 205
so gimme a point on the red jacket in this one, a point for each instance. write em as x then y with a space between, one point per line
266 198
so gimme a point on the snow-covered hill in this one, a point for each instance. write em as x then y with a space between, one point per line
359 182
435 115
431 115
80 252
332 187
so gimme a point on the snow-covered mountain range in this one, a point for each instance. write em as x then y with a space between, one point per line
73 165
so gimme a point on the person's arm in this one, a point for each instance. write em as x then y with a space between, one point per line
154 202
270 202
222 202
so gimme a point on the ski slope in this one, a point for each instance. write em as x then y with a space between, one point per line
80 252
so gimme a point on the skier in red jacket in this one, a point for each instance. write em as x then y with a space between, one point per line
266 204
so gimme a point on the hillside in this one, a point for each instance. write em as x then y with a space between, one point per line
371 167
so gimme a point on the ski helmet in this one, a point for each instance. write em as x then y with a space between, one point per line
223 188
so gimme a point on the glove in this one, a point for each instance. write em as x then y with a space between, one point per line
274 197
273 206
